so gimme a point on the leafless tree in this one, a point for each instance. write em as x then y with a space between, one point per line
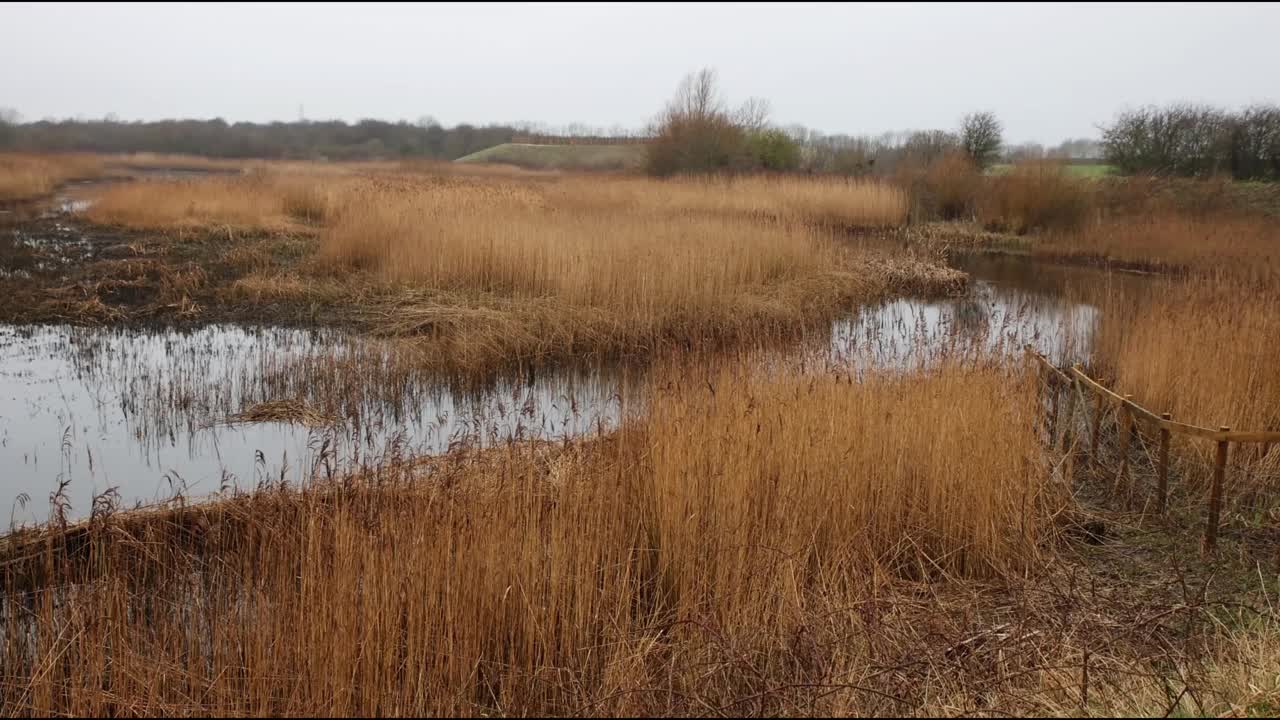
1178 139
698 98
753 115
981 137
1255 143
695 132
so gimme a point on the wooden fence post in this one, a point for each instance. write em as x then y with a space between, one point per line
1065 438
1215 496
1162 489
1124 425
1097 430
1053 409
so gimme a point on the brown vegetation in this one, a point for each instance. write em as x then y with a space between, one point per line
1241 245
736 550
624 573
500 270
758 538
610 268
174 161
1204 350
1037 195
28 176
1031 196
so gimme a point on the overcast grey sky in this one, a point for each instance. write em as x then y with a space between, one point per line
1049 72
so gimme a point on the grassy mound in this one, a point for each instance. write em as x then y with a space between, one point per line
562 157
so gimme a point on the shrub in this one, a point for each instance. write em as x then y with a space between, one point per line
1038 195
695 132
772 150
946 188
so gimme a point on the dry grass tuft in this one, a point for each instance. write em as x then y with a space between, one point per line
254 202
608 267
283 411
27 176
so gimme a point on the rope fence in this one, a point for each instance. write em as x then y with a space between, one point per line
1129 415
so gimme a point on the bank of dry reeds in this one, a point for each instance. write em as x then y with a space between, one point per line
691 559
28 175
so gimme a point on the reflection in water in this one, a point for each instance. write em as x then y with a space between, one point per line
147 412
994 319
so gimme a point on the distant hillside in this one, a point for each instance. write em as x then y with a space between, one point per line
562 157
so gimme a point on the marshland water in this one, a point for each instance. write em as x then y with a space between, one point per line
154 413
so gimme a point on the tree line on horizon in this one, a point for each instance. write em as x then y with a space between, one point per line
304 139
698 131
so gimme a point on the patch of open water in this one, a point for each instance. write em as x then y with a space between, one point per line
147 412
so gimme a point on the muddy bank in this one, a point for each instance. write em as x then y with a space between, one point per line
58 269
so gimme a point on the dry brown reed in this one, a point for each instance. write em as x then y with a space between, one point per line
1036 196
28 176
1242 245
946 188
622 267
1028 196
174 161
258 201
832 201
1205 350
271 189
286 410
503 269
734 543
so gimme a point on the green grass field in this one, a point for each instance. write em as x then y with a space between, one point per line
1086 170
562 157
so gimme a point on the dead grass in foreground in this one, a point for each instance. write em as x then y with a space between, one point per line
757 545
633 572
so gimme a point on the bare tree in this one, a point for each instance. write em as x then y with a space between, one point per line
981 137
695 131
1255 143
753 115
698 98
1178 139
926 147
